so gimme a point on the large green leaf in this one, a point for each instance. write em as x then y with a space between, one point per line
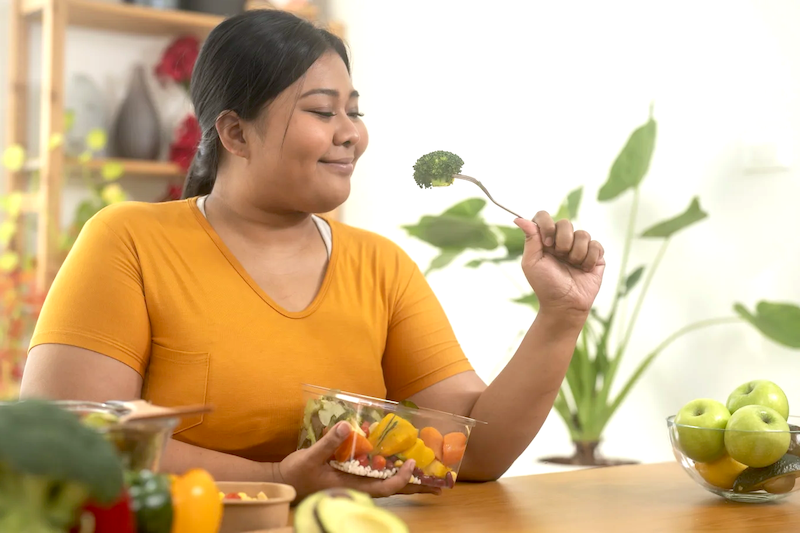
529 299
513 240
514 243
631 281
569 207
454 233
442 260
632 163
469 208
777 321
694 213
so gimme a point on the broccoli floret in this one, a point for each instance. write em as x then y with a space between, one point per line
436 169
50 464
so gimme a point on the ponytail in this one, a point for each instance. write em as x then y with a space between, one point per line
203 170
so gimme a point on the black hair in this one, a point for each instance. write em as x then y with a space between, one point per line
244 64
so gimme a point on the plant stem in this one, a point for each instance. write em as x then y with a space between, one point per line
624 344
623 268
652 355
608 378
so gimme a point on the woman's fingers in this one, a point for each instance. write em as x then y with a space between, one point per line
564 237
593 255
547 228
580 247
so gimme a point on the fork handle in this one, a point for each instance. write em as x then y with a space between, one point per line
486 192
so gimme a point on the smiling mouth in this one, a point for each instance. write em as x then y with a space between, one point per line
340 166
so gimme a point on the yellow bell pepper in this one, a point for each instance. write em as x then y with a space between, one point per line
420 453
392 435
436 469
196 504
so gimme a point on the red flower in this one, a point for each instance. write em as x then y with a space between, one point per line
177 61
174 192
187 138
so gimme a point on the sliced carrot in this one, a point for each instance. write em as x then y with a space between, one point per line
433 440
453 446
355 444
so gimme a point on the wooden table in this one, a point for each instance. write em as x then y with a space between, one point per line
640 498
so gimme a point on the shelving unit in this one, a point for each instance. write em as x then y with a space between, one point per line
55 17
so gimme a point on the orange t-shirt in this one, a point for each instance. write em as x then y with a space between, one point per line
153 286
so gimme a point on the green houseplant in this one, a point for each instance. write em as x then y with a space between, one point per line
588 397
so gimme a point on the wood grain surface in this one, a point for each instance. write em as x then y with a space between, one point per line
639 498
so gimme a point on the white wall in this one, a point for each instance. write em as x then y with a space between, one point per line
538 97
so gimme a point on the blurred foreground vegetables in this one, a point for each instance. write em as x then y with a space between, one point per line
59 475
50 466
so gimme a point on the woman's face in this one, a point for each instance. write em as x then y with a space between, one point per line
307 142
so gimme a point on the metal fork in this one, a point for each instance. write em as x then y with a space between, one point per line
486 192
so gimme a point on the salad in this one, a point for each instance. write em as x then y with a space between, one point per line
383 439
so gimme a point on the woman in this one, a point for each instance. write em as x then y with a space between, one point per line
236 294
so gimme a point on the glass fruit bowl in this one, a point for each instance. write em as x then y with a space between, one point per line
758 464
385 434
140 443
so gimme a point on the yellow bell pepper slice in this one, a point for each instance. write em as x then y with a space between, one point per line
436 469
392 435
420 453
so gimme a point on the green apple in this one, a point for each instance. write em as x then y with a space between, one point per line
759 392
700 425
757 436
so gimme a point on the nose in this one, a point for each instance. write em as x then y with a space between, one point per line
346 133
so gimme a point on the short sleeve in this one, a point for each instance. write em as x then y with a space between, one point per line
97 299
421 347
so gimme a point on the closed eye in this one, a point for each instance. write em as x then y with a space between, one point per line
330 114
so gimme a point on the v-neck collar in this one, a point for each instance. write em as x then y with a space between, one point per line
223 248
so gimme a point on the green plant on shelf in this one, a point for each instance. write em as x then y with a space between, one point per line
20 297
588 397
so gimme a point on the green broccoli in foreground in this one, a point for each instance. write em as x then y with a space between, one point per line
50 465
437 169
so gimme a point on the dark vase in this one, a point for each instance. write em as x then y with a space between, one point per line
225 8
136 133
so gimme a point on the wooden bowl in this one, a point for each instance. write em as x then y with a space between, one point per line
241 516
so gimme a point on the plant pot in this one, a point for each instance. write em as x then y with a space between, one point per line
586 455
225 8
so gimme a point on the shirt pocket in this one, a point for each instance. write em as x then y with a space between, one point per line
176 378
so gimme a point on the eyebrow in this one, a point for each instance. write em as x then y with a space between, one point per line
329 92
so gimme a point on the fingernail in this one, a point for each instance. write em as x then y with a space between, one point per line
548 241
412 463
343 430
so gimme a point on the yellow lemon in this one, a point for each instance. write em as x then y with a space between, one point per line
721 472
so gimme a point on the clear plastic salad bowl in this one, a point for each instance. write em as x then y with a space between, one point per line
140 443
386 434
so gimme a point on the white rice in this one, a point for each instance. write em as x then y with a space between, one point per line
353 467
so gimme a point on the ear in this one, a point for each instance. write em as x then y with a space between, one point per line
230 129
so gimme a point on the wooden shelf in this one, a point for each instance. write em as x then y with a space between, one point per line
55 16
129 18
131 167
